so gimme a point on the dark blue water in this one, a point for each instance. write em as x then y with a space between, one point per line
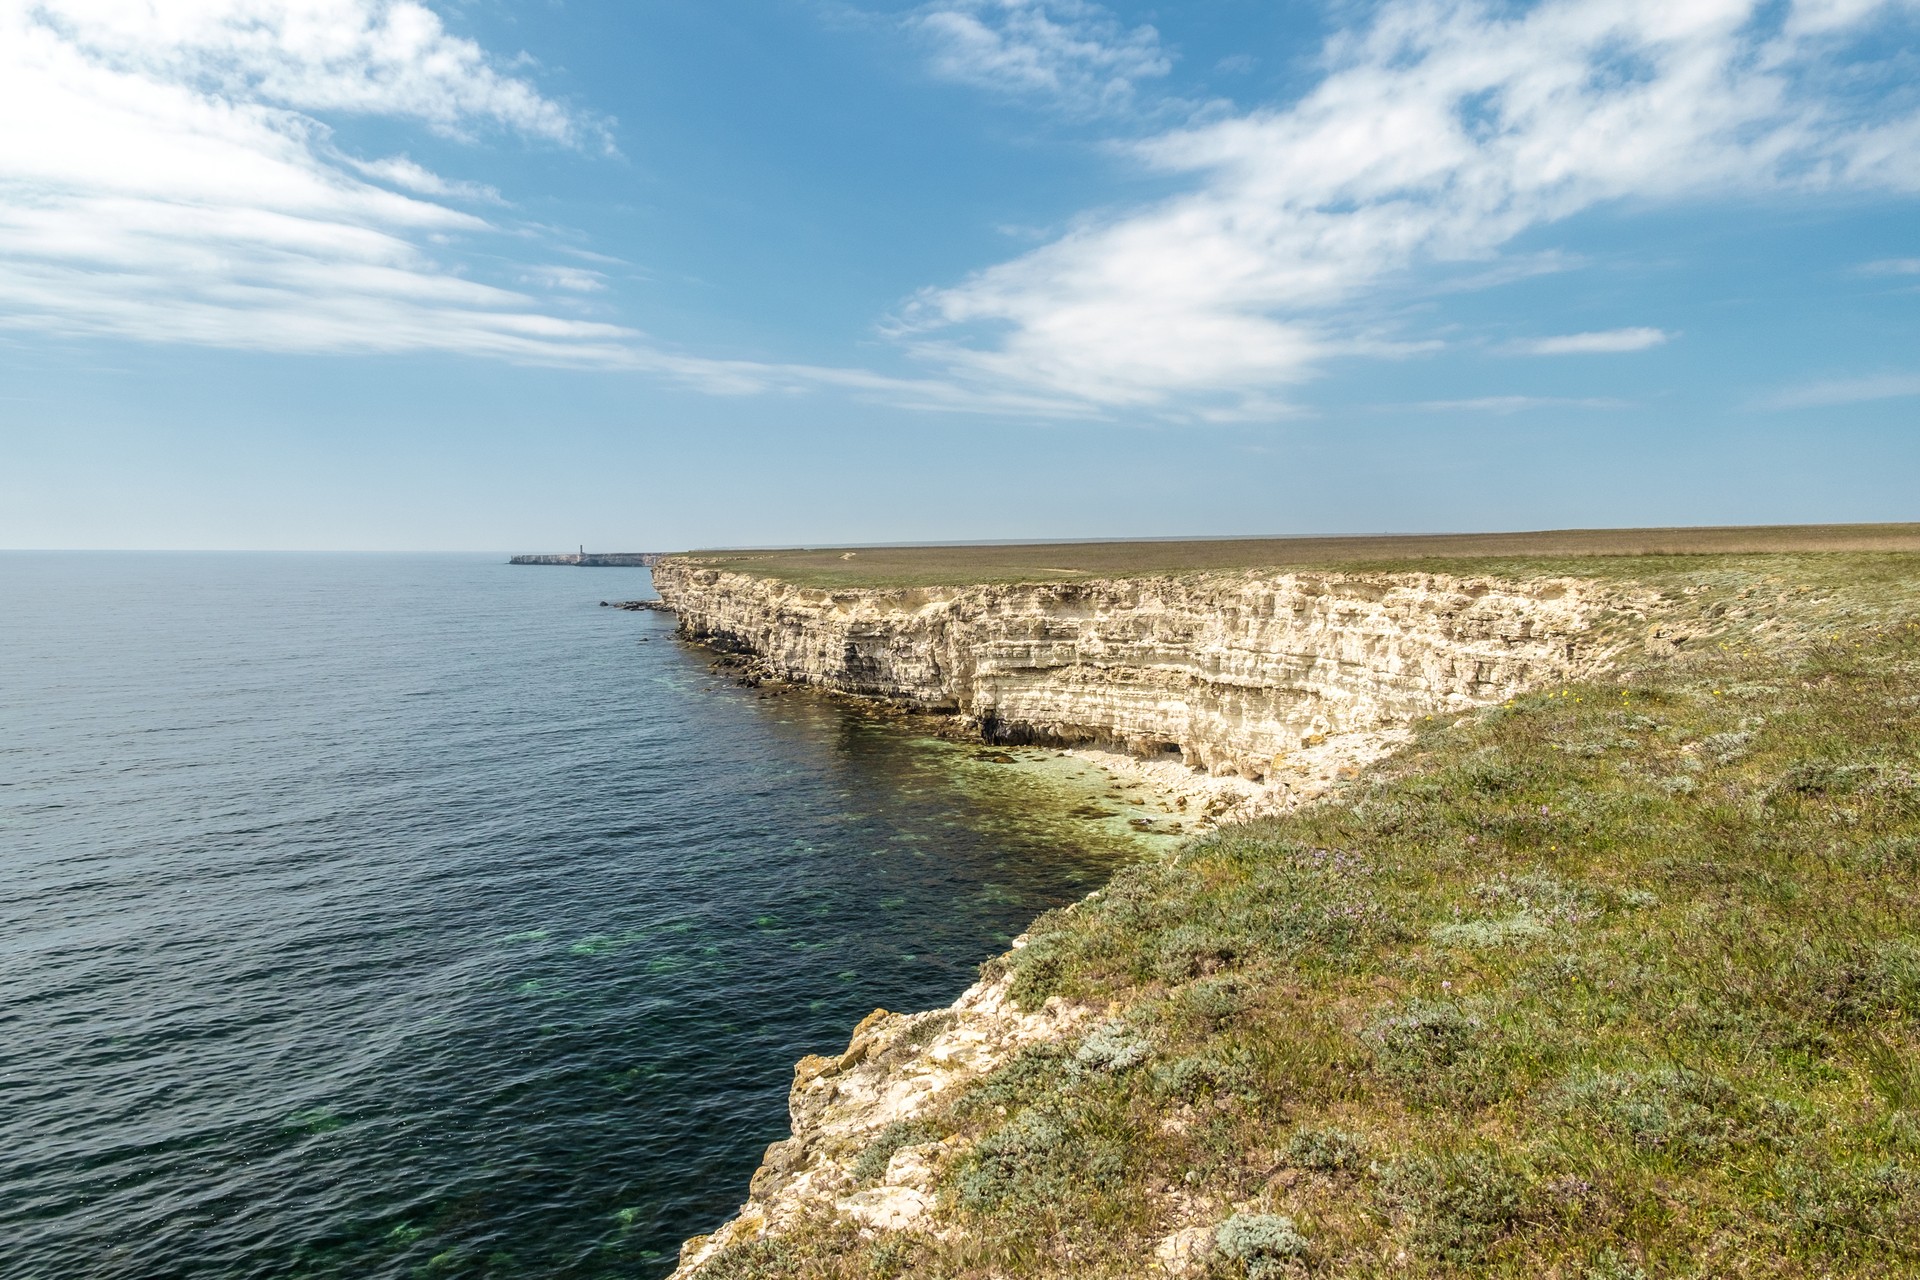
391 916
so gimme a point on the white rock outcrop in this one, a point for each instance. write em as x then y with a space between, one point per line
895 1068
1231 672
1291 679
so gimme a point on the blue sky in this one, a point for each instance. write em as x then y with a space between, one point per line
368 274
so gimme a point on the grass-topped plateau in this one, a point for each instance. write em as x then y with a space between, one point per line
1618 979
1578 550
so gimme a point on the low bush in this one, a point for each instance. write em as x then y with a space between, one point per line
1328 1150
1260 1244
1458 1205
901 1133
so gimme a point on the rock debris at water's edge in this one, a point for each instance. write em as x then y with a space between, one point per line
1237 695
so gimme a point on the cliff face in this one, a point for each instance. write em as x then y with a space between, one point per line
1231 672
1234 673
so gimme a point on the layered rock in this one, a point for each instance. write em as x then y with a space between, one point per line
895 1068
1232 672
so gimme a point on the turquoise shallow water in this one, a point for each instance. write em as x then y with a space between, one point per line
383 916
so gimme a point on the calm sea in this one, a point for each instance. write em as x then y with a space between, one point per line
382 916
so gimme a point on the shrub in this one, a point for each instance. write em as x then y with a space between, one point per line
1725 748
1609 1265
1050 1163
1326 1149
1461 1204
1490 776
1034 1072
1865 982
1193 950
1437 1055
1811 778
1540 895
1262 1243
901 1133
1111 1047
1213 1002
1020 1161
1848 1208
1040 967
1481 935
1687 1115
1218 1070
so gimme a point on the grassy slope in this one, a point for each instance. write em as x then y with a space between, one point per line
1052 562
1620 979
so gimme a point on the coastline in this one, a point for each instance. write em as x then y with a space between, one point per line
1243 1024
899 1066
896 1066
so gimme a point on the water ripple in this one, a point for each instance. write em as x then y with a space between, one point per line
363 915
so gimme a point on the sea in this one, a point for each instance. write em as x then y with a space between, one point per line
417 916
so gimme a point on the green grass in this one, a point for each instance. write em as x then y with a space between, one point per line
1559 551
1617 979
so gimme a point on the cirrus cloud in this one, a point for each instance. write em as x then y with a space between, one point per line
164 177
1438 133
1072 53
1603 342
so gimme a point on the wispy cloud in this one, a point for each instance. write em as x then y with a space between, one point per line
399 171
1604 342
164 176
1515 404
571 279
1820 395
1071 53
1440 131
1891 267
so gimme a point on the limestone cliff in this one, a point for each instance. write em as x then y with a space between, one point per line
1232 672
1235 673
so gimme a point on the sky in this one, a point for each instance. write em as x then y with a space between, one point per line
658 274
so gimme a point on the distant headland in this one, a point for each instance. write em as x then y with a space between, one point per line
595 560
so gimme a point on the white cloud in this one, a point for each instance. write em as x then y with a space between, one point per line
1892 267
165 176
1820 395
1070 52
398 171
571 279
370 57
162 178
1604 342
1516 404
1439 132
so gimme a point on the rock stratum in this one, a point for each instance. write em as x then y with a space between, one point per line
1238 674
1231 672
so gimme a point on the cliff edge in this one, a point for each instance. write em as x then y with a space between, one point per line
1233 672
1237 674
